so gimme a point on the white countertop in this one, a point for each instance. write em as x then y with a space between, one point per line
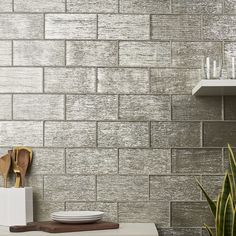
126 229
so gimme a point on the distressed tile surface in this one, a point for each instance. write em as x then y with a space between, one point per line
229 106
230 6
179 231
5 5
5 107
5 53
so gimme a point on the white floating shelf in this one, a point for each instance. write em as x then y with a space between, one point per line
215 87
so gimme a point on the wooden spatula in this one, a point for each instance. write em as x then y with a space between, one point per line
5 164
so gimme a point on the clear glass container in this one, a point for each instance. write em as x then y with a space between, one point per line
212 67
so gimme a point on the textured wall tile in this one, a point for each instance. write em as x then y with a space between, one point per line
21 26
91 107
144 161
22 133
205 233
48 161
123 80
70 134
70 26
39 53
175 134
174 81
5 53
197 161
39 6
122 188
92 53
218 134
92 6
191 214
69 80
175 188
197 6
21 80
144 54
230 6
5 5
176 27
110 208
144 107
178 232
5 106
92 161
187 107
123 134
229 106
36 182
145 212
189 54
123 27
226 158
70 187
229 51
145 6
38 107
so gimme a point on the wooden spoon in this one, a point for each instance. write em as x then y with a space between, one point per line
5 164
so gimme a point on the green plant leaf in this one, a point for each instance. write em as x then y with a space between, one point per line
219 228
232 163
208 230
229 217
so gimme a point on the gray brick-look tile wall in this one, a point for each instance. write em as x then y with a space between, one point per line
101 89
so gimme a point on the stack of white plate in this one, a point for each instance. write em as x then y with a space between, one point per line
76 217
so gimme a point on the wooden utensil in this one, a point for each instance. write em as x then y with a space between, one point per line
15 168
5 164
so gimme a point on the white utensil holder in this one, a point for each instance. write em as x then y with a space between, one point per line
16 206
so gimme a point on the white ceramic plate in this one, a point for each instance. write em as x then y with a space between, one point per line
77 214
66 221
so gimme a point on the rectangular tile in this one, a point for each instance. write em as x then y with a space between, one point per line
39 53
108 6
122 188
70 26
5 53
71 188
123 80
38 107
187 107
229 108
145 212
144 161
144 107
6 6
229 52
69 80
21 133
144 54
123 27
197 160
70 134
177 27
5 106
91 161
92 53
174 81
179 231
36 182
175 134
91 107
123 134
21 80
173 188
230 6
21 26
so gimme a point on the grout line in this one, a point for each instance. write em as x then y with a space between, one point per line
118 107
13 5
150 27
171 107
65 5
96 80
96 135
118 53
12 53
118 161
97 26
170 212
150 134
118 5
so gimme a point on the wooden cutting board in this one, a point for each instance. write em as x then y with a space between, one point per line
55 227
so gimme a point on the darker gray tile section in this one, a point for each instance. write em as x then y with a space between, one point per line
178 231
230 6
229 107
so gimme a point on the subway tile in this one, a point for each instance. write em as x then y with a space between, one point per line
177 27
5 5
39 53
229 107
197 160
123 134
145 6
5 53
175 134
91 107
219 134
230 6
174 188
69 80
144 107
187 107
91 161
174 81
38 107
92 53
123 27
122 188
70 134
190 54
21 26
145 54
21 133
70 187
39 6
108 6
21 80
123 80
144 161
179 231
5 107
144 212
70 26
